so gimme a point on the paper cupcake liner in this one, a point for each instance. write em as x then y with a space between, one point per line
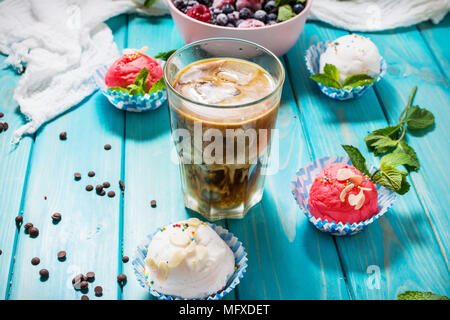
240 260
312 59
125 101
302 184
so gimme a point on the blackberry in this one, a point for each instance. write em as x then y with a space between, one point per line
245 13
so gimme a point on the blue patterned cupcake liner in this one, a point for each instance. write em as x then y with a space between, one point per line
240 261
312 59
125 101
302 184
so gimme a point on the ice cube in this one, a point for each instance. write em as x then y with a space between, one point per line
213 93
237 72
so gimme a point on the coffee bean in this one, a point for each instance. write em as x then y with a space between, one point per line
63 135
102 193
99 188
98 291
77 176
44 274
5 126
84 285
28 226
121 185
91 174
62 255
19 220
111 194
1 114
153 203
1 127
56 217
35 261
1 252
90 276
125 259
76 281
106 184
107 147
89 187
34 232
84 297
121 278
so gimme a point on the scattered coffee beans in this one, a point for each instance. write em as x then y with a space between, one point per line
19 220
153 203
77 176
62 255
89 187
44 274
125 259
91 174
90 276
35 261
111 194
98 291
84 297
56 217
34 232
28 226
63 135
106 184
107 147
121 278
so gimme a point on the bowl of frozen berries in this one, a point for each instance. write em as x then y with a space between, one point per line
273 24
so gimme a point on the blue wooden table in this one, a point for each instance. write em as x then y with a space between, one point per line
407 249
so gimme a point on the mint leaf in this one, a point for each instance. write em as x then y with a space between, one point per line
413 163
357 159
164 55
158 85
285 12
135 90
119 89
149 3
420 295
382 140
331 71
357 80
395 159
141 79
392 179
325 80
417 118
280 3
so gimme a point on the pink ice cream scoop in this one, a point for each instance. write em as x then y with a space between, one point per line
125 69
341 193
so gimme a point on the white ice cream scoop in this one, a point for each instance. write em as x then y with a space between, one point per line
188 259
352 54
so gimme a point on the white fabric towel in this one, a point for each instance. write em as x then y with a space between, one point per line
62 42
369 15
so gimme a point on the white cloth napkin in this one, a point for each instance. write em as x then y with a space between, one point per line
59 44
369 15
62 42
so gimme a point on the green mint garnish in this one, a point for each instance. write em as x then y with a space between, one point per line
420 295
164 55
158 85
330 78
356 158
285 12
149 3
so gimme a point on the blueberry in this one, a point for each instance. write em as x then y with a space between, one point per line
272 17
231 18
245 13
179 4
269 6
230 25
192 3
222 19
271 22
298 7
228 8
261 15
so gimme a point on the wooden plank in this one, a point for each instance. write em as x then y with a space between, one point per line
13 168
436 37
150 174
401 246
413 64
89 228
288 259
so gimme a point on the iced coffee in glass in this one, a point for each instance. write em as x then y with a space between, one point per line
223 99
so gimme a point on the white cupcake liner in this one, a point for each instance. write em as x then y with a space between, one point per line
125 101
302 184
240 261
312 59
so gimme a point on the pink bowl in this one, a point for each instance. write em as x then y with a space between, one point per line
278 38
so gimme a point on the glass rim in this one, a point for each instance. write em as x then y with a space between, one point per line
267 51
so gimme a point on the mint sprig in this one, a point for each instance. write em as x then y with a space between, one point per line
330 78
139 85
165 55
387 175
390 138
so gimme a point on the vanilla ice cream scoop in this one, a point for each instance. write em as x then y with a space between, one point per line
188 259
352 54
